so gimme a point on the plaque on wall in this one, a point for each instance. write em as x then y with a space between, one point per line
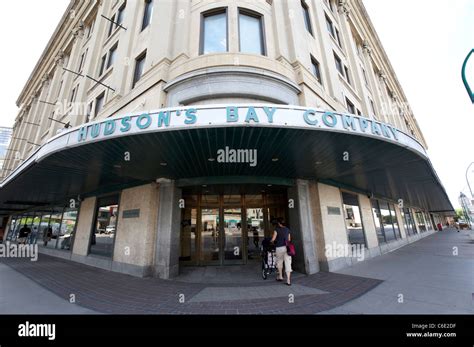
131 213
334 211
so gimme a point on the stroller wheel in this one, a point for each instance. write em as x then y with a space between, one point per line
264 274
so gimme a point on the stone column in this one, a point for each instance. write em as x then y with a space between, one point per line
333 228
400 221
136 230
84 227
303 228
167 240
368 222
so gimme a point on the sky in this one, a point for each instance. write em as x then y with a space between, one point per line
426 42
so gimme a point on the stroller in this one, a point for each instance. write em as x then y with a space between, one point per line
268 258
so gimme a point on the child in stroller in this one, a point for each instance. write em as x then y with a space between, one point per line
268 257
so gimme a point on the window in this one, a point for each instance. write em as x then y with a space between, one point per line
385 221
346 71
147 13
60 88
420 221
120 14
251 33
338 64
89 112
139 68
372 106
104 227
338 37
365 76
73 94
214 32
316 69
358 112
102 65
111 26
112 55
90 28
330 27
99 104
353 218
350 106
82 61
307 17
408 222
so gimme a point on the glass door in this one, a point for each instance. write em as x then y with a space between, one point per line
210 236
255 232
233 236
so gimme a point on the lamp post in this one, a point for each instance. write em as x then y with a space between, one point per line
467 170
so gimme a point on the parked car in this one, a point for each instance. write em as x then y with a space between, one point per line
110 229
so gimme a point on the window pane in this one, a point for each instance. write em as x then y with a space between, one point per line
316 70
215 33
52 228
112 55
307 18
68 227
139 67
251 38
353 218
147 13
102 65
120 14
338 64
330 27
188 239
102 237
387 221
99 103
378 221
396 229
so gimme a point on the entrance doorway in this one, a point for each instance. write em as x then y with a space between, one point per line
225 226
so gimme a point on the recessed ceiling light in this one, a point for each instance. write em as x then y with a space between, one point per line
211 159
204 185
319 162
269 185
163 164
275 159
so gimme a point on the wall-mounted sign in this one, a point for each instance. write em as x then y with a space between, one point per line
131 213
234 116
336 211
219 116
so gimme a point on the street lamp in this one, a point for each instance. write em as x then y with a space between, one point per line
467 170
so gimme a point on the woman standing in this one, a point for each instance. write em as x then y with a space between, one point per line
280 236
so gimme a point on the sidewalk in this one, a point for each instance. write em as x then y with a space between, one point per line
115 293
20 295
430 277
427 274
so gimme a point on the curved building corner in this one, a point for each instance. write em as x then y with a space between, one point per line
175 135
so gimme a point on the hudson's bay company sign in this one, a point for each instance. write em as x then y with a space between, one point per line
221 116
